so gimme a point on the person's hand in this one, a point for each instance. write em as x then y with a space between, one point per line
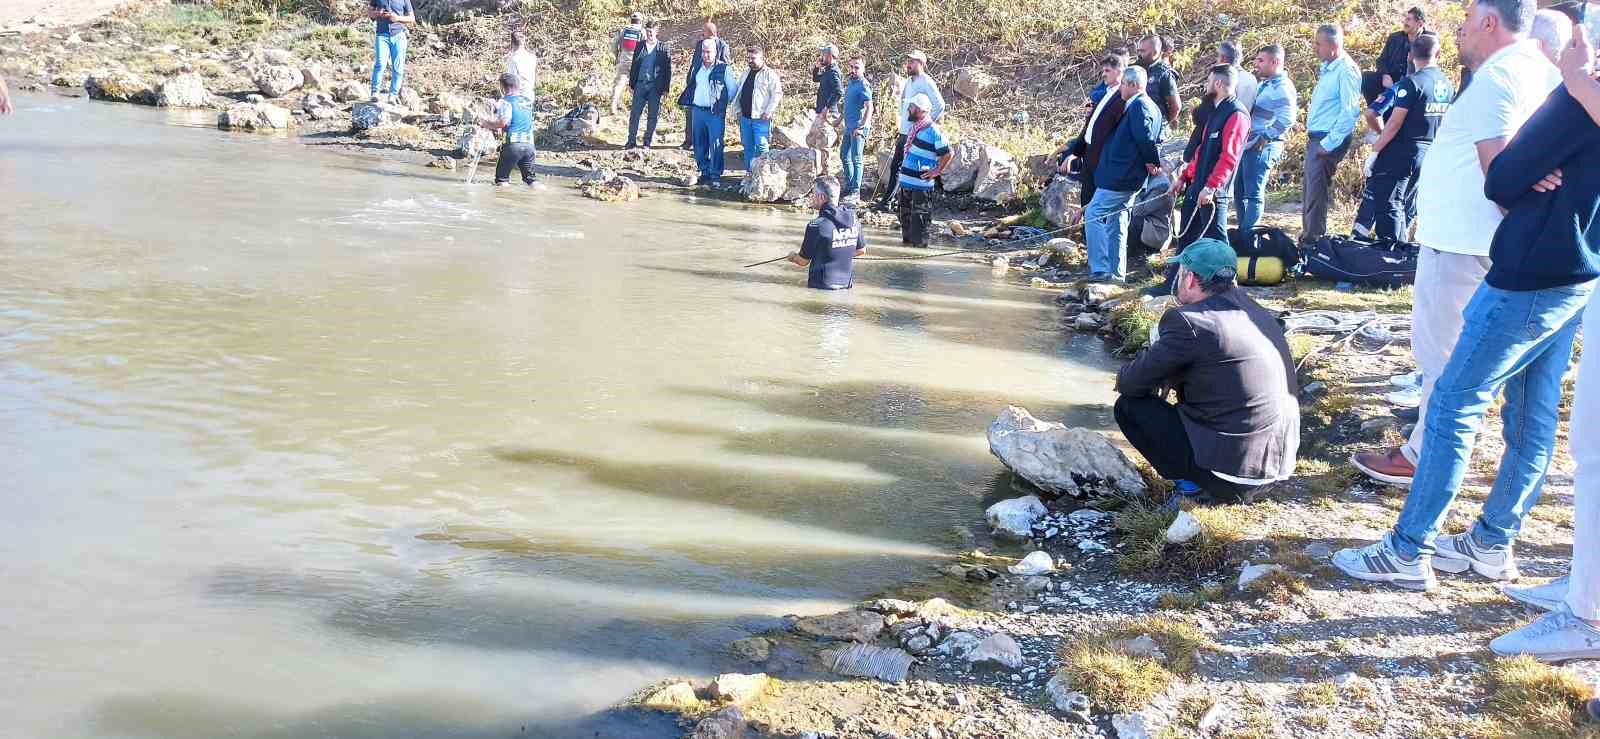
1549 182
1388 82
1577 59
1153 169
1177 184
1066 166
1206 197
1260 144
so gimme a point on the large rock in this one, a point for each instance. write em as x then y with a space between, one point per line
255 116
410 99
311 76
476 141
319 105
740 690
780 175
963 168
119 86
996 179
752 649
999 650
970 82
1060 203
1014 518
618 189
1057 459
187 90
349 91
277 80
857 626
727 723
793 134
678 697
277 56
364 116
884 176
579 129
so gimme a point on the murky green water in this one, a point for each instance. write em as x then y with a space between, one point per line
300 442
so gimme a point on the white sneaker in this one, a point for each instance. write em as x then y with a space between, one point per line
1458 552
1407 380
1547 597
1378 562
1557 636
1405 398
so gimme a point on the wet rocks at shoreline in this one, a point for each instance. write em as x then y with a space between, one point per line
1058 459
255 117
119 86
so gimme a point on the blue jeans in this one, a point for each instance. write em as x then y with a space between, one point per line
1250 185
1521 341
390 49
1106 230
754 134
708 144
850 150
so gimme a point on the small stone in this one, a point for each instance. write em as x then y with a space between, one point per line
919 643
1142 646
1086 322
1036 563
1251 573
1036 584
1377 424
1184 528
997 650
893 605
443 163
727 723
1073 704
858 626
738 689
1314 389
674 697
958 644
753 649
1015 517
1131 726
1320 550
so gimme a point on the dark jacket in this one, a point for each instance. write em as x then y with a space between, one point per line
1548 239
651 72
830 87
831 242
1395 60
1218 146
1104 126
1228 360
724 56
721 90
1130 148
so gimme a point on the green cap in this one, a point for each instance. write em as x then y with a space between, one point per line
1206 257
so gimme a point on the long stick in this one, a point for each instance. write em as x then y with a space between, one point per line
769 261
472 171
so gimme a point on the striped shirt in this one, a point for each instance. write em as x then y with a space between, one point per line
922 155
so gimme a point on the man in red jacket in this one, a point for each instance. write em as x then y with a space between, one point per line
1207 178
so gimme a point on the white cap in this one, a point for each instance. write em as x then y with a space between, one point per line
920 100
829 49
917 55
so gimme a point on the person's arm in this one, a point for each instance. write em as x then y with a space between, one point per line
775 98
501 119
1145 136
408 17
1397 117
1348 89
867 109
1557 130
808 245
938 101
5 98
633 66
1577 65
1283 116
1155 365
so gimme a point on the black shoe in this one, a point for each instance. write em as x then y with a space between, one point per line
1408 415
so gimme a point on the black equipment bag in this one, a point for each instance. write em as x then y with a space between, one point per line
1362 261
1265 241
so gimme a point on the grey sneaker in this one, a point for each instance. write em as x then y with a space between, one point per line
1547 597
1557 636
1378 562
1458 552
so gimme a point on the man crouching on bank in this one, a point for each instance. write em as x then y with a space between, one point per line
833 239
1236 426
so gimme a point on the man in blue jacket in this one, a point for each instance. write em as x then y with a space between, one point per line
707 94
1518 335
1129 157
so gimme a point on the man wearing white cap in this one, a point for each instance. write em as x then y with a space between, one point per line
926 155
628 39
917 83
830 91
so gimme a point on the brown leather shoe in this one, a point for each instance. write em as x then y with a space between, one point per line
1387 465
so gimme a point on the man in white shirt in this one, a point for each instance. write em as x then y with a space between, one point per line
917 83
1245 89
1455 222
758 93
522 62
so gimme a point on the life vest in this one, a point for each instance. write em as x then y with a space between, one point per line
521 129
631 36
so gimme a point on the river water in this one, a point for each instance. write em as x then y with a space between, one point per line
302 442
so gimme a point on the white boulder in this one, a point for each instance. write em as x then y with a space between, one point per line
477 141
581 129
780 175
119 86
965 156
738 689
970 82
1251 573
1131 726
1015 517
1060 203
997 650
792 135
277 80
187 90
1057 459
1036 563
255 116
349 91
277 56
996 179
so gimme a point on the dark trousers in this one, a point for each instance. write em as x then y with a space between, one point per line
1153 427
886 189
688 128
1389 200
1199 222
514 155
643 99
916 214
1372 85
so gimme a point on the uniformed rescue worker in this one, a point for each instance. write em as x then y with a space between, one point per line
1388 201
833 239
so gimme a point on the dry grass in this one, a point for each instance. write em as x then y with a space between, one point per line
1532 700
1132 321
1279 586
1097 664
1144 527
1181 601
1322 695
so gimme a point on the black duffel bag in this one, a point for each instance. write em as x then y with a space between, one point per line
1361 261
1266 254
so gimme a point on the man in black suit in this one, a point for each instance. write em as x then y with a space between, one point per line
1104 115
648 77
1236 425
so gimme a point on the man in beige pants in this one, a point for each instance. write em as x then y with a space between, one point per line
1455 222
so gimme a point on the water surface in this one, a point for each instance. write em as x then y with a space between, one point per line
304 442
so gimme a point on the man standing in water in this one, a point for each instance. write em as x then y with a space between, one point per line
389 43
522 63
513 115
833 240
628 40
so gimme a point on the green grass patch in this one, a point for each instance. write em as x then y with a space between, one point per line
1532 700
1132 321
1099 664
1144 526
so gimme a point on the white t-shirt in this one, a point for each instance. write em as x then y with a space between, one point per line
524 65
1452 213
1245 88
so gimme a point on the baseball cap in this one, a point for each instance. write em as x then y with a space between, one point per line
1206 257
922 102
829 48
917 55
636 17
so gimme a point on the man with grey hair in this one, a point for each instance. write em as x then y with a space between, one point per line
1330 122
1130 157
833 240
1245 85
1552 31
1456 224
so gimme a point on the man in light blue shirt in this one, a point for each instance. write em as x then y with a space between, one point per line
1335 107
1271 116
